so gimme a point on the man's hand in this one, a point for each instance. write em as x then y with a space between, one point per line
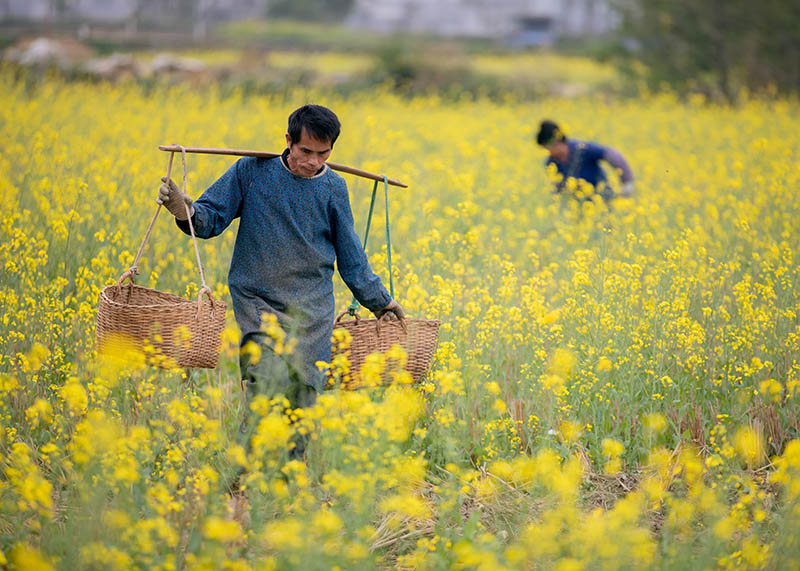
174 199
627 189
393 307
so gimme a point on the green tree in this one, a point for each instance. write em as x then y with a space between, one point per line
717 46
313 10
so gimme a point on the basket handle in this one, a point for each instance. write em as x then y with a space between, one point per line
346 312
127 275
387 317
207 291
384 317
134 269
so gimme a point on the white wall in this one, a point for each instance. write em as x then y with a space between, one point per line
482 18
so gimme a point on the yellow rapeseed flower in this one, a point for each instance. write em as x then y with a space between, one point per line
749 445
223 530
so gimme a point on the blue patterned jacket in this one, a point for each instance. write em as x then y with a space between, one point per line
291 231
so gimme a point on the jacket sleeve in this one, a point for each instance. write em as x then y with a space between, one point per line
350 256
218 205
616 160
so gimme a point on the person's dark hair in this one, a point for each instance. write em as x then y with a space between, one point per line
319 121
549 132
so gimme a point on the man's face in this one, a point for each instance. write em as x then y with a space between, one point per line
559 151
307 155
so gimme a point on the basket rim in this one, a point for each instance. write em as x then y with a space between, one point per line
384 322
179 301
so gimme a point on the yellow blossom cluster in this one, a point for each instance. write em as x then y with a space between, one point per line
615 386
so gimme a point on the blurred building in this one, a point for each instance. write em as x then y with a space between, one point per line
123 10
518 22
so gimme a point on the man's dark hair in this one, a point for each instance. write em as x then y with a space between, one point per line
320 122
549 132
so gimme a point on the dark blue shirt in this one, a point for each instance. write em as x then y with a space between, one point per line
583 163
291 231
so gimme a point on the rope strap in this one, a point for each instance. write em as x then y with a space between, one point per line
191 226
354 305
388 236
134 269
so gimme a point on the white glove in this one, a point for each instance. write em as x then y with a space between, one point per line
627 189
173 199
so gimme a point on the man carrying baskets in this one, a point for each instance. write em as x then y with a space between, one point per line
295 221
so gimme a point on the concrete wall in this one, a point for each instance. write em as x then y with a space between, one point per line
468 18
483 18
121 10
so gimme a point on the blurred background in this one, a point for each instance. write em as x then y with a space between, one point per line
496 48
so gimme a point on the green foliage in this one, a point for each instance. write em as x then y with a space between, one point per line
416 67
316 10
297 34
719 48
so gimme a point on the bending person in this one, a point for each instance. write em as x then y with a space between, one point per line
581 161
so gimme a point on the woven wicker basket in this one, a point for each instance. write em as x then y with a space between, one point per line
169 330
368 336
182 332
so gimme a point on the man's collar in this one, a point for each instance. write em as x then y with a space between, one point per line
285 157
285 161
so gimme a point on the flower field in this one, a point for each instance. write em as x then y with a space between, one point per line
612 389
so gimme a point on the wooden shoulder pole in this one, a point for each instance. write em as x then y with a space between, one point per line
267 155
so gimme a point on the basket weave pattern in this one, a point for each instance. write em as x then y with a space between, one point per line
419 342
186 332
